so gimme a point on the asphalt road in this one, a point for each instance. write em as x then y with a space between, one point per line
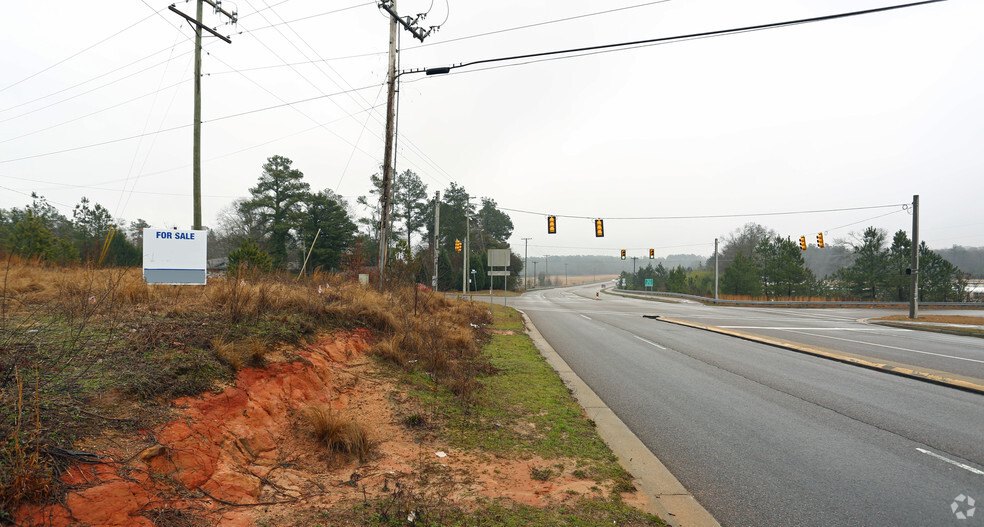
766 436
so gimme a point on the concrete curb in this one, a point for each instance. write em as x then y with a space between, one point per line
666 496
967 384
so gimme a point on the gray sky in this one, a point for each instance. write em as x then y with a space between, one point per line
852 113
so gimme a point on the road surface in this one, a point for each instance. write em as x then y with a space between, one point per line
765 436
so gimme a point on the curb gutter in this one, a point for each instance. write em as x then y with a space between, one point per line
967 384
666 496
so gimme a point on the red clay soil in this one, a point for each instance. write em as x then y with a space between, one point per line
234 456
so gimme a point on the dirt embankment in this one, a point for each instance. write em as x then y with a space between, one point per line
231 457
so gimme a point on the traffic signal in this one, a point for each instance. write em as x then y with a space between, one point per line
457 245
599 228
803 242
623 254
820 240
652 254
551 224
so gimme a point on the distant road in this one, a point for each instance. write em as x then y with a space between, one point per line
765 436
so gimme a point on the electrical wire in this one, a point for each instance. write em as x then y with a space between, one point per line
179 127
707 216
96 112
653 41
76 54
536 24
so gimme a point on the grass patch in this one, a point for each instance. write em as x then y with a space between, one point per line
522 410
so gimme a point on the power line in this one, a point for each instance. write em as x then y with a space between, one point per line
707 216
179 127
537 24
76 54
653 41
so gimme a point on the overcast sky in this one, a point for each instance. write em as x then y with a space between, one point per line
859 113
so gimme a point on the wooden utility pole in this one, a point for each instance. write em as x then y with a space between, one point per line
196 156
384 197
914 299
436 247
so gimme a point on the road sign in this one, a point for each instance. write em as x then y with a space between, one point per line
649 282
499 257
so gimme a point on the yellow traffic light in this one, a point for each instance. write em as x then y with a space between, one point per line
820 240
652 254
623 254
551 224
803 242
599 228
457 245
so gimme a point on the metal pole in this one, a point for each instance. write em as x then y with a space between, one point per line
715 268
546 268
303 267
526 262
914 299
566 281
464 257
196 157
388 151
535 276
437 235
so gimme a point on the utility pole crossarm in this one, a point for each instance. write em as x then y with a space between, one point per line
200 25
406 22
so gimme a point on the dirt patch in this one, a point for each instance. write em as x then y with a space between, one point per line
940 319
247 454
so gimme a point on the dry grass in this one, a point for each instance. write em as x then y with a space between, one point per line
90 332
939 319
340 434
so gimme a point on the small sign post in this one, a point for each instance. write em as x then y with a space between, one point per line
499 258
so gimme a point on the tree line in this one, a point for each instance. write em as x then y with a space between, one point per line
277 224
756 262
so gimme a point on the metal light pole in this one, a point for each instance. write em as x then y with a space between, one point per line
526 261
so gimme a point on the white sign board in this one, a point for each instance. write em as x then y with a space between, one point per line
174 257
499 257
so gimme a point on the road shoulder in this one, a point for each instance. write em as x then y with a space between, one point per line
666 496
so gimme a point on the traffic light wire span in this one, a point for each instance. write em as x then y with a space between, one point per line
711 216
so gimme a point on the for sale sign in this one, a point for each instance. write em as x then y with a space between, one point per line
174 257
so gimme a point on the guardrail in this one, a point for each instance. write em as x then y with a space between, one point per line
804 303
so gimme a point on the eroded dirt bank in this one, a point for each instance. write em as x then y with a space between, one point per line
245 453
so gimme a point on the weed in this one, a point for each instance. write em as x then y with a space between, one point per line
340 434
540 473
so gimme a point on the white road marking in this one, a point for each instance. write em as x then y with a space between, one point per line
893 347
780 328
585 316
649 342
952 462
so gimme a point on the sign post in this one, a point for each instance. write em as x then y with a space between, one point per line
499 258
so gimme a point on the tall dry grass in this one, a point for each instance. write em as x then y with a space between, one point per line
91 331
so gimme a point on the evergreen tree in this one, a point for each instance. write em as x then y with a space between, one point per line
277 200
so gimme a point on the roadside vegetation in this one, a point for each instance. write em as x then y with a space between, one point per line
757 263
86 352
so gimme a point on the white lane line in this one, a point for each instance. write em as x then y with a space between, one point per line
585 316
651 343
952 462
781 328
892 347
